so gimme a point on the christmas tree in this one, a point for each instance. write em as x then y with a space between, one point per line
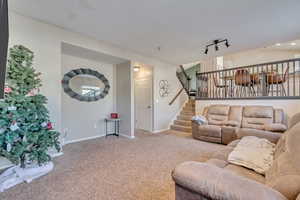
26 133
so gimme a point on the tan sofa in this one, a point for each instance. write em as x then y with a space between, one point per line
227 123
219 180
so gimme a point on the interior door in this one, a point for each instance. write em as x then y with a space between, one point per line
143 103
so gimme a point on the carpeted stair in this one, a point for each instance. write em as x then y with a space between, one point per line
183 121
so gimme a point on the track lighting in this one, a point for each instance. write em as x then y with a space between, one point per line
216 47
227 44
206 50
215 43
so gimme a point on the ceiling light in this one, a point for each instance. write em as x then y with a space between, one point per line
278 44
206 50
227 44
293 43
216 47
136 68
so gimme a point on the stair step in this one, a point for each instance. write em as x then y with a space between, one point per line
185 117
181 128
187 113
189 105
188 110
183 123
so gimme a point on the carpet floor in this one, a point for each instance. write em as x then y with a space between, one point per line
116 169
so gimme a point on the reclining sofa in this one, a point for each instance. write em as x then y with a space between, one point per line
216 179
227 123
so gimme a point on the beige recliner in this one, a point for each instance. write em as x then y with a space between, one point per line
227 123
218 179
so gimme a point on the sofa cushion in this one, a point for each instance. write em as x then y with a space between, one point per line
271 136
257 116
284 174
256 123
210 130
275 127
258 112
211 182
222 154
217 162
280 147
218 110
235 115
248 173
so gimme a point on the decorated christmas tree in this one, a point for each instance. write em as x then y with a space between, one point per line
26 133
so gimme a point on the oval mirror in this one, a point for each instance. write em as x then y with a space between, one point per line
85 85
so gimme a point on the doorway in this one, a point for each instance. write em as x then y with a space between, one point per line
143 95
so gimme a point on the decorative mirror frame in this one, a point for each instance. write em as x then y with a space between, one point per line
84 71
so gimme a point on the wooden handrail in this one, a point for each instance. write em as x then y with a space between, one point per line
177 95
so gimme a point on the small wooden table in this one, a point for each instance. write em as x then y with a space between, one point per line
116 125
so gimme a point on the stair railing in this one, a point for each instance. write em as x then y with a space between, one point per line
184 79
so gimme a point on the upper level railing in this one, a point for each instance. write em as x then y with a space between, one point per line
274 80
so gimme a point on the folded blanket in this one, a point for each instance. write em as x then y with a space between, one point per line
200 119
254 153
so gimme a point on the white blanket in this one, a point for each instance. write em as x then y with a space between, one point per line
200 119
16 175
254 153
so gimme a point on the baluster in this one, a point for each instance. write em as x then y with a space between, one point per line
288 79
294 77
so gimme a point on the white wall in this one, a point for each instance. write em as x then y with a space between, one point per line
125 98
45 40
163 112
85 119
290 107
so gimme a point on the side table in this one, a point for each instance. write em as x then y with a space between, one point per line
116 125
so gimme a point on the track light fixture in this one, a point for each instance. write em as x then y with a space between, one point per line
206 50
215 43
216 47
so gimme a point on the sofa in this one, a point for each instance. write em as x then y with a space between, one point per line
230 122
217 179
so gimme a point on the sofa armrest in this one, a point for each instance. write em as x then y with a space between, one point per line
275 127
216 183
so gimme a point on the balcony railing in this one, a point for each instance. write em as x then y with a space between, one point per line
275 80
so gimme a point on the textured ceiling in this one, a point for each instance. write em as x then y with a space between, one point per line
180 28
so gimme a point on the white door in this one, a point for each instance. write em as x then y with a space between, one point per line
143 103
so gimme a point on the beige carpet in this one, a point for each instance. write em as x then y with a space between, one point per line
116 169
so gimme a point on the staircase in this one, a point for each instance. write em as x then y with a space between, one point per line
183 121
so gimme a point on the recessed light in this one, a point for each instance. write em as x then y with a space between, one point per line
293 43
278 44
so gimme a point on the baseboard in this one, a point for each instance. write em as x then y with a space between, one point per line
83 139
161 130
127 136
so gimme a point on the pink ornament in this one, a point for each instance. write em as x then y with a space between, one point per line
49 126
31 93
7 90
